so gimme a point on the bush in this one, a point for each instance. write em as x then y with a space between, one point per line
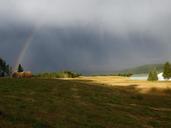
63 74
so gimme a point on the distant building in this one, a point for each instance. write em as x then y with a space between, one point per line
145 76
161 78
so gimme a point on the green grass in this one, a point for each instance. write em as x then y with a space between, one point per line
41 103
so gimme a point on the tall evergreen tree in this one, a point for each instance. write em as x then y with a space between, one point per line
167 70
153 75
4 68
20 68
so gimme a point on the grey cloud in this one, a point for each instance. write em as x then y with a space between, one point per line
111 12
86 35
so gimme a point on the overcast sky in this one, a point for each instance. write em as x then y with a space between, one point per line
85 35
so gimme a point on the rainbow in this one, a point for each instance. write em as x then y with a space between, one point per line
24 49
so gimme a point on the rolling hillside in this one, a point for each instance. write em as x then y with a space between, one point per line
143 69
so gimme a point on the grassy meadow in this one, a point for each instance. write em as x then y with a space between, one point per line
85 102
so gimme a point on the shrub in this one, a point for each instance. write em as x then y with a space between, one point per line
63 74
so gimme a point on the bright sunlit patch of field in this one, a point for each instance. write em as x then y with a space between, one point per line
143 85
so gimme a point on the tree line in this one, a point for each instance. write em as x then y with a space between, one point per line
62 74
153 75
5 69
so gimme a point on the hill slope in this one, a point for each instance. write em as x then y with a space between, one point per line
143 69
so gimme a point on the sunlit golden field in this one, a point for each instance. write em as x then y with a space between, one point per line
142 85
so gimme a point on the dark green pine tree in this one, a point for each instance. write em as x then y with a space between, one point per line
167 71
4 68
20 68
1 67
153 75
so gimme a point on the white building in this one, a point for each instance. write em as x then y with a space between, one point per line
145 77
161 78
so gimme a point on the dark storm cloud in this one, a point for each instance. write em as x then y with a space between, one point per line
86 35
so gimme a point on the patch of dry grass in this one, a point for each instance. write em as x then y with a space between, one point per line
142 85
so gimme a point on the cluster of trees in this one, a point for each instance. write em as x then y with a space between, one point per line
63 74
5 69
124 74
153 75
115 74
